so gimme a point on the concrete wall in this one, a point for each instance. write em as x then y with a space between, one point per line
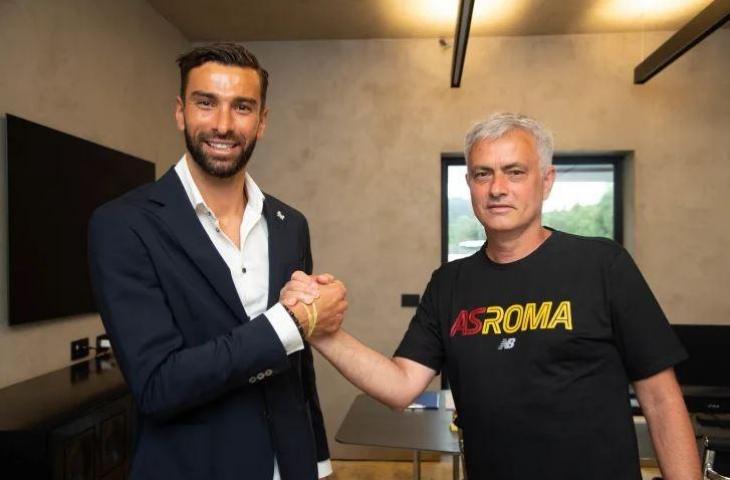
356 130
102 70
355 136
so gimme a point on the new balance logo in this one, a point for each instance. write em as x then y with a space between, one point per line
507 343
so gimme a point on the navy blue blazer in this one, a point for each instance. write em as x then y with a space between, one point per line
217 395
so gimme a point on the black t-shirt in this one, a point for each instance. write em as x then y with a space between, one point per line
539 353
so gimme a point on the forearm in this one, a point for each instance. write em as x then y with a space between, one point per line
375 374
168 383
674 440
669 426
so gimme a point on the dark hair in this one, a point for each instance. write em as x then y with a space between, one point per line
225 54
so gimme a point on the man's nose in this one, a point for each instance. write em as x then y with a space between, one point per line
498 187
223 121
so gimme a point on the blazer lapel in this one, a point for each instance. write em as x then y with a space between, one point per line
180 217
275 223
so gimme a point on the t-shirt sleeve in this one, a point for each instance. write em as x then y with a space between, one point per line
423 341
647 342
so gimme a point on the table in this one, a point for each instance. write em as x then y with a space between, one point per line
370 423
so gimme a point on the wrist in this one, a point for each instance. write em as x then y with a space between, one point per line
321 342
299 316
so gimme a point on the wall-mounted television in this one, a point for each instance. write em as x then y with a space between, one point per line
708 347
54 183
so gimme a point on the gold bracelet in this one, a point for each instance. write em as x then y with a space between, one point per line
313 323
309 319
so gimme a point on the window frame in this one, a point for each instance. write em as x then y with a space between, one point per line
614 158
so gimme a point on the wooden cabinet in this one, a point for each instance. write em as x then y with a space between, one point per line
72 424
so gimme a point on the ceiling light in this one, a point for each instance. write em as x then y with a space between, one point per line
442 14
461 38
648 10
703 24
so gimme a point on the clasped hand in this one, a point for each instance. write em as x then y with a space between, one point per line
323 294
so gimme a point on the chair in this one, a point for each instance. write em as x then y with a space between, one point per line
716 462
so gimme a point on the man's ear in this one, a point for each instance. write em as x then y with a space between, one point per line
262 123
180 113
548 180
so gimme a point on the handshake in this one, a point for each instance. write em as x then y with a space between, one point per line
318 302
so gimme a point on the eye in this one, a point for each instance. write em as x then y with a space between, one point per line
481 175
204 103
515 172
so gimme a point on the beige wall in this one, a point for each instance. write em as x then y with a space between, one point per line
99 69
355 137
357 128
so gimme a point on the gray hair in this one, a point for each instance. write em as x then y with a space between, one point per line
500 124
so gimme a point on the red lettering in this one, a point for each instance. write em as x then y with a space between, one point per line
475 324
460 324
467 323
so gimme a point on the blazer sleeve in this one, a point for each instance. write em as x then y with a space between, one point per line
166 377
308 376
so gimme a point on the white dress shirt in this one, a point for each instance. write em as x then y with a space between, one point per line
249 266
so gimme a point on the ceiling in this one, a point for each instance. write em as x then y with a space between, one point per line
250 20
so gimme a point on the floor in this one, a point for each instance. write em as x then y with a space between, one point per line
376 470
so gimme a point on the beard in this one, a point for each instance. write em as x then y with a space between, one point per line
219 168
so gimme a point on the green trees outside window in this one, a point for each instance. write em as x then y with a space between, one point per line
583 201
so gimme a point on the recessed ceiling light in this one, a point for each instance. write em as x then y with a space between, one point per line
442 13
648 10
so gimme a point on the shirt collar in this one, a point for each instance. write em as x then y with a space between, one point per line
254 193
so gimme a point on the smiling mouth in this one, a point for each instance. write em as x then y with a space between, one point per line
220 146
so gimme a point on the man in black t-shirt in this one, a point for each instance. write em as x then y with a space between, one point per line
540 333
539 352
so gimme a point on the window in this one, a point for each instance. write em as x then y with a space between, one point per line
586 199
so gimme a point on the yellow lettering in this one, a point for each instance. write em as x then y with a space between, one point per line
493 321
534 320
562 315
512 309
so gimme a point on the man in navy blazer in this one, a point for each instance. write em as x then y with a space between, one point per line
187 273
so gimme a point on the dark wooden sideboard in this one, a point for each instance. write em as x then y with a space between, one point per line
76 423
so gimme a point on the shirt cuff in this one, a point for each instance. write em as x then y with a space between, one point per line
324 468
285 329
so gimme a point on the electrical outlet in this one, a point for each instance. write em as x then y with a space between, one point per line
102 344
79 349
409 300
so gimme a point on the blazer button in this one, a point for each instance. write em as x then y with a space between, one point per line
252 380
268 372
260 376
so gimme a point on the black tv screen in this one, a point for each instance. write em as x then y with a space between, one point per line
55 181
707 346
